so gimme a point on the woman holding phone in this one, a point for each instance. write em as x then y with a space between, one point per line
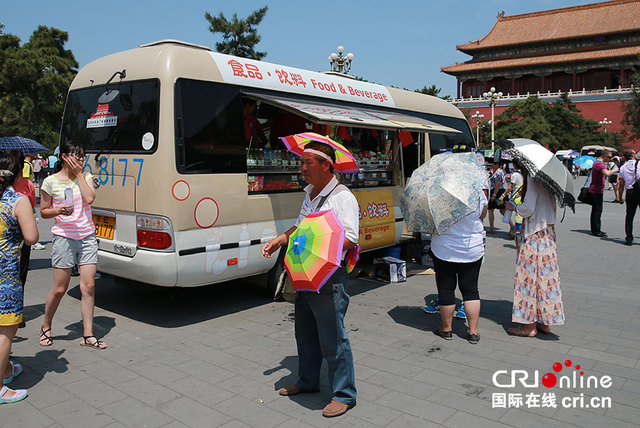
67 195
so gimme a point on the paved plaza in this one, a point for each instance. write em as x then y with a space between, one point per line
216 356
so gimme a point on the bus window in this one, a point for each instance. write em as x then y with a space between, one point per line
209 128
116 126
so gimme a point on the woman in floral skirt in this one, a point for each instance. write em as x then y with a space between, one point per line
537 299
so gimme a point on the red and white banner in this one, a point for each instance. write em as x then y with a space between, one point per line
258 74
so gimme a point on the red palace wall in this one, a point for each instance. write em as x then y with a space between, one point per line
595 110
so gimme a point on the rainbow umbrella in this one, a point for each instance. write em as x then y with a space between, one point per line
345 162
314 252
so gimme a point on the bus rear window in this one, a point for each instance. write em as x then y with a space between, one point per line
124 122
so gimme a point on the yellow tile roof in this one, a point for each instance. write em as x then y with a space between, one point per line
607 17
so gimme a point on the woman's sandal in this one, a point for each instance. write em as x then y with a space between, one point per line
16 369
542 328
519 331
98 344
48 341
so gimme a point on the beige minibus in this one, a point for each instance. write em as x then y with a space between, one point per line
193 178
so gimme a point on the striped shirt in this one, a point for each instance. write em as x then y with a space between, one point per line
79 224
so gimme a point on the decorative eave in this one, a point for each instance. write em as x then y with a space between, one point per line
590 20
594 55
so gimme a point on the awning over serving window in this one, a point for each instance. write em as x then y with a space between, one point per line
326 113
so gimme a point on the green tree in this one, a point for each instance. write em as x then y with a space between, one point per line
631 110
34 80
526 119
432 90
239 36
557 125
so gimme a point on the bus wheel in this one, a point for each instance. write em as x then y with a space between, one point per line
274 274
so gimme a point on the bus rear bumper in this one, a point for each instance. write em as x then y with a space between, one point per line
150 267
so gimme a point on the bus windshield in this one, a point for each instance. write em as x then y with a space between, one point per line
127 123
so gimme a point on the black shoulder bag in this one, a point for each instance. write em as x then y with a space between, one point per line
584 196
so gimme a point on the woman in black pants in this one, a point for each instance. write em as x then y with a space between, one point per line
457 255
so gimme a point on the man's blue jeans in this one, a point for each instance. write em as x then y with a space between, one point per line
320 333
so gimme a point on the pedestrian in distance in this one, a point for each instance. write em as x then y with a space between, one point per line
537 298
599 173
319 316
498 180
629 174
17 224
67 196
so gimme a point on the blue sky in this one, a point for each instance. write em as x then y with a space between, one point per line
395 42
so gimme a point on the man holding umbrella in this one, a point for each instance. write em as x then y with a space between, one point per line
319 316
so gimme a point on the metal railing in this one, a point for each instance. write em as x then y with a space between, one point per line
548 94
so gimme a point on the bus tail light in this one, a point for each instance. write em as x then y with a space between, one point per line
154 232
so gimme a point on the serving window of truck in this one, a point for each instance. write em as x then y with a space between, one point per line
193 175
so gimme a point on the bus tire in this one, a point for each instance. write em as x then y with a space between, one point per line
274 274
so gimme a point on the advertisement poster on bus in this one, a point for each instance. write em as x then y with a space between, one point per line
377 221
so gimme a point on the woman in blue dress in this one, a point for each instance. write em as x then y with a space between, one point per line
16 224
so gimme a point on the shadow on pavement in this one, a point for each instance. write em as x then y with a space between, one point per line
36 264
498 311
311 401
585 231
40 364
172 307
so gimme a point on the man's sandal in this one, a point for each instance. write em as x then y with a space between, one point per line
98 344
45 339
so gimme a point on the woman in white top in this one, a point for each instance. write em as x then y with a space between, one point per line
537 299
457 256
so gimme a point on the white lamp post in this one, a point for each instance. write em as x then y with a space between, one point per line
604 122
492 98
339 63
477 117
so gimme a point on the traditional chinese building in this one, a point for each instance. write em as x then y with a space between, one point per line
585 50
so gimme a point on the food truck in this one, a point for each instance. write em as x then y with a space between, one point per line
184 144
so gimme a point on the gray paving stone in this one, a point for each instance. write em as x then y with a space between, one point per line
193 414
252 412
134 413
522 419
416 407
147 391
464 420
200 391
77 413
94 393
24 414
412 421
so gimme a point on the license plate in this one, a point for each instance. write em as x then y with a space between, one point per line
104 226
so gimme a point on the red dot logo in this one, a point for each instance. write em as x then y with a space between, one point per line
557 367
578 367
567 363
549 380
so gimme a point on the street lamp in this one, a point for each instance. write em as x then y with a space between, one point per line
492 98
477 117
604 122
339 63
